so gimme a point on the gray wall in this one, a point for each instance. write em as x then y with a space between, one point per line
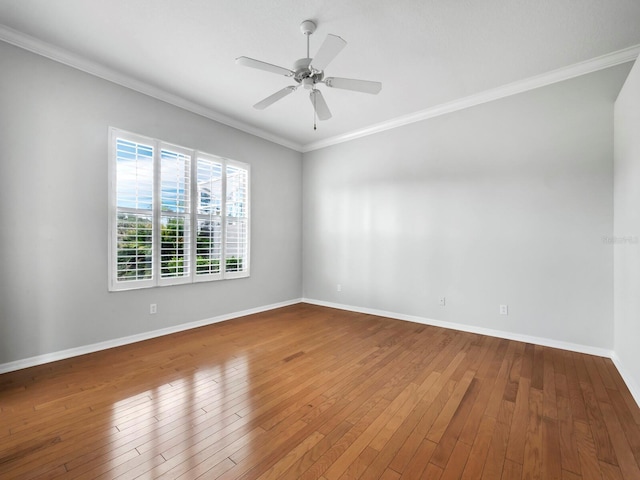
626 244
53 192
503 203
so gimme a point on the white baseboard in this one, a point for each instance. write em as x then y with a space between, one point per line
546 342
632 385
118 342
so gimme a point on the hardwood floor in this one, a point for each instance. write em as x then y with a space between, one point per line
307 392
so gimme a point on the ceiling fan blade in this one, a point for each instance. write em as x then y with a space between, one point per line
250 62
319 105
364 86
274 98
328 51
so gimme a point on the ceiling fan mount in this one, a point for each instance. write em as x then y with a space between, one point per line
308 27
309 72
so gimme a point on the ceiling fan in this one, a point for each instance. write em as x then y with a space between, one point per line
309 72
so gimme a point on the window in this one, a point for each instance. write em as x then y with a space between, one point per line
176 215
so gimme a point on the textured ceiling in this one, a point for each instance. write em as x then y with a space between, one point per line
425 52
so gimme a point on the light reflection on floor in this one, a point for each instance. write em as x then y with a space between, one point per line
166 426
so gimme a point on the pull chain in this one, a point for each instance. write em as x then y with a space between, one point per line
315 116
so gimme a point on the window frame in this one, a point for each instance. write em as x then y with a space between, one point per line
157 214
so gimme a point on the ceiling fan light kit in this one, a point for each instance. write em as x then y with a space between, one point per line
309 72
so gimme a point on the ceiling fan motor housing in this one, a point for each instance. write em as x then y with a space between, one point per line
305 75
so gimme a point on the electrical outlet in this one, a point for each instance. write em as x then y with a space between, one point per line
338 288
153 308
504 309
442 301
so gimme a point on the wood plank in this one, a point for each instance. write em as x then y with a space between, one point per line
432 472
292 457
610 472
550 407
423 416
505 415
329 457
207 469
537 373
551 452
517 436
511 388
452 433
420 460
589 463
532 460
497 393
491 376
602 364
430 387
497 452
570 460
394 423
578 409
374 427
624 454
457 462
528 357
389 475
359 466
631 429
296 470
442 421
595 379
480 449
604 448
566 475
511 470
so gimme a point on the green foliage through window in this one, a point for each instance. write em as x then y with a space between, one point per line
135 249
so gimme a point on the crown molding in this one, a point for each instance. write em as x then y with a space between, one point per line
577 69
78 62
60 55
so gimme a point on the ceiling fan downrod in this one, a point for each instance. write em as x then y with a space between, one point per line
307 28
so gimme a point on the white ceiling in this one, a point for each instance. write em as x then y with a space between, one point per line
425 52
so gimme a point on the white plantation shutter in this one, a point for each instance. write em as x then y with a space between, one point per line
237 221
132 261
176 215
209 218
175 212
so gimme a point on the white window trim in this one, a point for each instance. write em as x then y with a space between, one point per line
156 279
